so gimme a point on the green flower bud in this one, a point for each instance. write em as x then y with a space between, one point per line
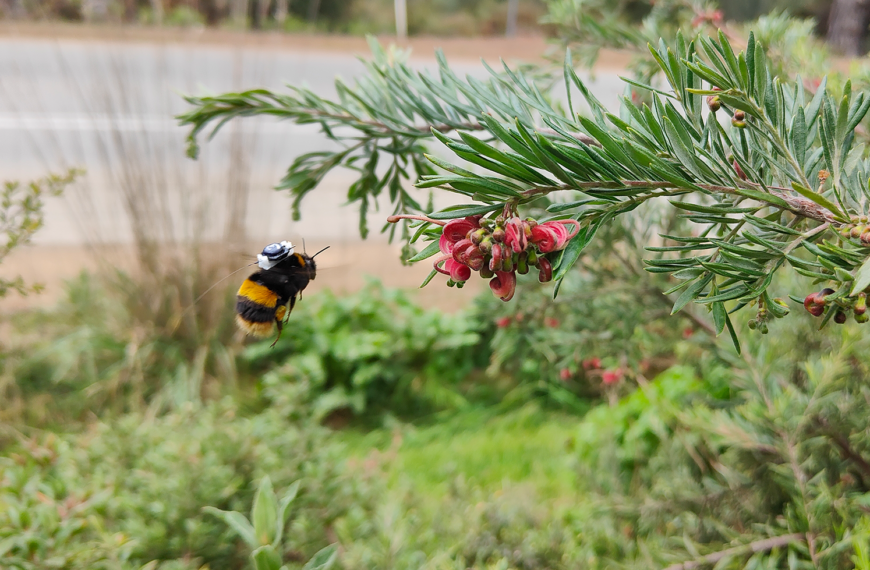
523 263
861 304
713 103
533 258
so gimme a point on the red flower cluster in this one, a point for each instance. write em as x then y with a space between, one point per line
500 249
611 376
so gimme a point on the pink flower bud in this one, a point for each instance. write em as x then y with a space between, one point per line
503 322
551 322
467 253
546 270
457 271
592 363
553 235
515 235
564 375
503 285
496 261
474 220
453 232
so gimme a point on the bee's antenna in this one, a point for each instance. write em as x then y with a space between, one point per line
319 252
304 250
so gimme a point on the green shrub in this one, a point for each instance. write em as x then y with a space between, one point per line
134 490
370 352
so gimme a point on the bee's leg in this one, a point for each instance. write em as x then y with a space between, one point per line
279 321
292 303
280 329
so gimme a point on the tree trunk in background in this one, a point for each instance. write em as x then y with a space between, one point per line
847 25
512 12
239 12
313 10
157 11
281 9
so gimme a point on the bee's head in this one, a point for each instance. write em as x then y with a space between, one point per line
273 254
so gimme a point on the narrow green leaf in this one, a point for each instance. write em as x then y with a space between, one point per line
862 278
763 197
726 295
426 281
730 58
572 251
843 112
733 334
461 212
719 317
815 105
799 136
265 512
760 73
449 167
283 508
691 293
819 199
750 61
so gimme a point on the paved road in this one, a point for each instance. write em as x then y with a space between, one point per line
107 107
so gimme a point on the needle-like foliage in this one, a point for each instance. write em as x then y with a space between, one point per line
770 175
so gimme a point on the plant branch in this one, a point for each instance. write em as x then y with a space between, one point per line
846 450
752 547
796 204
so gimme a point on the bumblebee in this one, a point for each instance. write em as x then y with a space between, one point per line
269 295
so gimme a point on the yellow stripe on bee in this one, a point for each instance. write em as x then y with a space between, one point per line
300 259
281 312
254 329
257 293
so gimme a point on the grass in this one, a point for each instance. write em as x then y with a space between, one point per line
527 446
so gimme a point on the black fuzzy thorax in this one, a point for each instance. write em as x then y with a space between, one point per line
286 279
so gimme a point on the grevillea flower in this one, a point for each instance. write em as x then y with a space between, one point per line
457 271
495 261
504 284
515 235
553 235
455 231
466 253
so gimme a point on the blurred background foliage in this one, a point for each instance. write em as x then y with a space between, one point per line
425 17
594 431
